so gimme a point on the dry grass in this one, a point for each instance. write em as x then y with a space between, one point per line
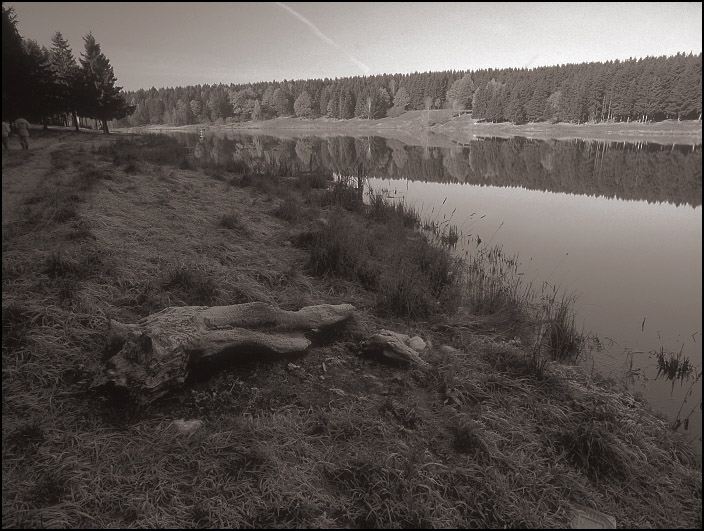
328 440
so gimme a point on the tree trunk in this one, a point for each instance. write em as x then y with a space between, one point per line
105 127
156 354
75 121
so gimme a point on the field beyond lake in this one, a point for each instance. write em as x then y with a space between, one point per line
498 427
447 126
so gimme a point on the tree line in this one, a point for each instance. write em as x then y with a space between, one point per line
50 86
647 89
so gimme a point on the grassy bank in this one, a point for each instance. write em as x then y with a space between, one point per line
492 434
448 128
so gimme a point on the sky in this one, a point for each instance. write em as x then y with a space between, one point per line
168 44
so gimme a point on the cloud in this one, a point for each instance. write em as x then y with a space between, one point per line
324 37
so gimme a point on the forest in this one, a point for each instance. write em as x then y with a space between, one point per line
648 89
50 86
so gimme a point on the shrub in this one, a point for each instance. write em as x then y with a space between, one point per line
288 210
343 249
343 195
317 180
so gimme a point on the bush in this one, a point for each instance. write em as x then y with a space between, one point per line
343 195
316 181
289 210
413 279
343 249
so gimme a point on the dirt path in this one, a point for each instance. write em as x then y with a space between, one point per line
23 171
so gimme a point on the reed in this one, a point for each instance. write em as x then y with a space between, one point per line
674 367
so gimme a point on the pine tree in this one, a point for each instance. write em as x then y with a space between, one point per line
12 71
101 99
41 92
66 75
347 104
324 99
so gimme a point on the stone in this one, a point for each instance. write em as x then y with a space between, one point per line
586 518
392 346
416 343
187 427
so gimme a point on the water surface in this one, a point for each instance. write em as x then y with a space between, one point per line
618 224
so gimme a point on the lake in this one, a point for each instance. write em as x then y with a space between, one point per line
617 224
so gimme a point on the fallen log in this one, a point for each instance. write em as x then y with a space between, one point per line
156 354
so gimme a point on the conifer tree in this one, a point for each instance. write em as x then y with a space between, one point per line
66 75
14 73
100 97
41 92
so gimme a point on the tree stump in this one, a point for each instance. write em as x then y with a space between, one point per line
156 354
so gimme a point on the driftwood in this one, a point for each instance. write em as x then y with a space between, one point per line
395 347
157 353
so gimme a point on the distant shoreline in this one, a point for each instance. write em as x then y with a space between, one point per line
461 129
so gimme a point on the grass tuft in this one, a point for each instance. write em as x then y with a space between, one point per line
313 180
195 287
232 222
25 439
592 447
89 176
56 266
288 210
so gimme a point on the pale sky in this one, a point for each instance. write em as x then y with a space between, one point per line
177 44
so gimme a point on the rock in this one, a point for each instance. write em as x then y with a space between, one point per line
393 347
586 518
187 427
416 343
156 354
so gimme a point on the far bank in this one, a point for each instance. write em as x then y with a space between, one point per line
445 125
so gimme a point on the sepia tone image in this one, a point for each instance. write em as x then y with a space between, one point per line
351 265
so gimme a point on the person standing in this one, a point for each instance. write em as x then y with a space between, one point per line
22 126
5 133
